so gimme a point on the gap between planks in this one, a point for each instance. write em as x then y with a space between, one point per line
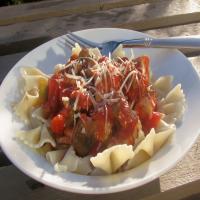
138 15
15 37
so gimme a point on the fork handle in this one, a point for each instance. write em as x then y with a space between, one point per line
173 42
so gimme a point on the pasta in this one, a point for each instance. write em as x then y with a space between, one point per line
98 115
119 52
23 108
43 150
35 79
173 105
37 137
55 156
146 149
163 125
76 50
71 162
113 158
37 119
163 85
149 146
35 91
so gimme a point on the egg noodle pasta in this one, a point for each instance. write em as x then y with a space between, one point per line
98 115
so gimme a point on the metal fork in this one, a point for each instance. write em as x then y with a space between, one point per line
105 48
110 46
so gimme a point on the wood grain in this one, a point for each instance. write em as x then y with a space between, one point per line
186 171
181 30
49 5
161 22
132 12
28 13
23 45
53 27
190 191
15 181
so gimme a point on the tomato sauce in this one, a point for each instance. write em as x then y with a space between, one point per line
111 112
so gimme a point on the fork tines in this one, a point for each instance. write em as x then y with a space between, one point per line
70 40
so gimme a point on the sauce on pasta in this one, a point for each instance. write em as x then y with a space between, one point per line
95 104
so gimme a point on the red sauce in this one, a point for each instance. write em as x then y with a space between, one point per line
107 114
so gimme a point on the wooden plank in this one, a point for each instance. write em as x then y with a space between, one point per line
170 8
20 190
192 197
161 22
48 6
7 62
23 45
136 13
186 171
184 192
182 30
62 8
15 181
4 160
50 28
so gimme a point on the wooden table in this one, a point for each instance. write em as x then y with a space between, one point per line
23 27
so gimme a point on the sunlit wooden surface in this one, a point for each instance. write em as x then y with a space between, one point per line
24 27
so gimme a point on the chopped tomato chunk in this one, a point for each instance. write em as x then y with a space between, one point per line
84 101
116 80
128 121
58 124
145 108
53 94
152 122
142 65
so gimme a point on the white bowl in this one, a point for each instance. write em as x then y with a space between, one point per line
46 56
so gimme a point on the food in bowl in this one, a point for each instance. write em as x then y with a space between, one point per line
98 115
